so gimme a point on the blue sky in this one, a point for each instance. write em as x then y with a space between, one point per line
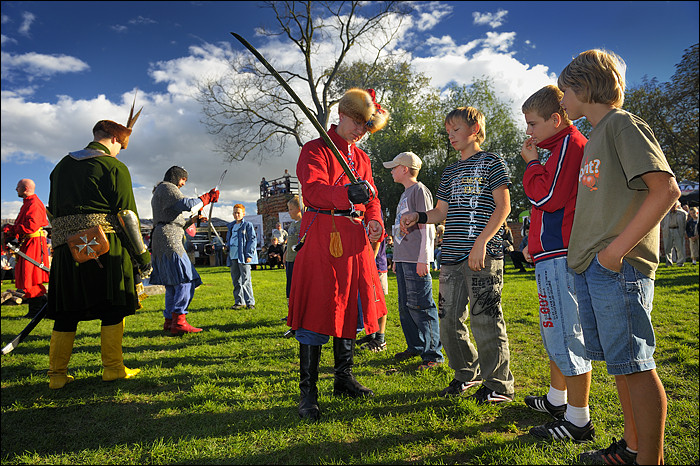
66 65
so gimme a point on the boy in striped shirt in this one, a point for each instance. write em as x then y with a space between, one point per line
474 199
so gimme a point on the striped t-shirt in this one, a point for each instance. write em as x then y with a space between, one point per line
467 187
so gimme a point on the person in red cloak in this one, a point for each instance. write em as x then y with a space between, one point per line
335 288
28 230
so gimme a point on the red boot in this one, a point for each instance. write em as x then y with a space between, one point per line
180 325
167 324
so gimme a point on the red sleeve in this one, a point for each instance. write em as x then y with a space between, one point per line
549 187
317 171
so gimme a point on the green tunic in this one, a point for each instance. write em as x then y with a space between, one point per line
92 183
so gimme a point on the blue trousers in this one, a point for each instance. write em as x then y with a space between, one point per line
178 299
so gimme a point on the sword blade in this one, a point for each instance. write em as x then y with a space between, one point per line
27 330
321 130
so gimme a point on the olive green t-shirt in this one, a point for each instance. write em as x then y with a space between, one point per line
620 149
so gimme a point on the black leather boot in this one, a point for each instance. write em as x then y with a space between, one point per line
309 358
345 382
35 305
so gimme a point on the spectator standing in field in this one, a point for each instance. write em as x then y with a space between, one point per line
551 188
673 229
692 234
474 199
241 241
625 188
413 253
279 233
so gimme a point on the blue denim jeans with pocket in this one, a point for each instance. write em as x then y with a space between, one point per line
418 313
615 310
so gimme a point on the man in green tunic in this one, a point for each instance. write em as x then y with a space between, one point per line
90 187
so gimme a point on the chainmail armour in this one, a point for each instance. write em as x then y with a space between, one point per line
169 225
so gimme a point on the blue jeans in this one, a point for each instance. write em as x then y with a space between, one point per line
418 313
560 325
178 299
615 310
242 284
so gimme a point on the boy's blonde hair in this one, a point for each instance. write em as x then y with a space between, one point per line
546 102
596 76
470 116
295 202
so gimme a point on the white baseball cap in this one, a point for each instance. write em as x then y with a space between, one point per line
407 159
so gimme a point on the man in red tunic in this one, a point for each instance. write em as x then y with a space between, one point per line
335 288
28 230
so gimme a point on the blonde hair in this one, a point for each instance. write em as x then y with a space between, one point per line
596 76
295 202
470 116
546 102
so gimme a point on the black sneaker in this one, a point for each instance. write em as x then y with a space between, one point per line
561 429
542 404
616 453
365 339
485 395
456 388
405 355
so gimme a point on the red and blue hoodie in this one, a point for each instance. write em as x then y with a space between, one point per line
551 188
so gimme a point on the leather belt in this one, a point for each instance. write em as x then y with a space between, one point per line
338 213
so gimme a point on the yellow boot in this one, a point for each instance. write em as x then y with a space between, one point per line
60 349
112 358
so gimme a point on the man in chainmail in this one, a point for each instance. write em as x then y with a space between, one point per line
171 265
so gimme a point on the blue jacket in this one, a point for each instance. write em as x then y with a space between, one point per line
247 243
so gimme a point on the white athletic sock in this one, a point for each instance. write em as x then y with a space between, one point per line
577 416
556 397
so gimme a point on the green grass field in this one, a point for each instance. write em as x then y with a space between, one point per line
228 395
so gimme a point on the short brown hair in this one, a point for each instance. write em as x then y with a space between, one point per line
296 202
470 116
546 102
596 76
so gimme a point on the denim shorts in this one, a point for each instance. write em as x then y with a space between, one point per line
615 311
560 325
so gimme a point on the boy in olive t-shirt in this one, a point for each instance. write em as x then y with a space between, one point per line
625 188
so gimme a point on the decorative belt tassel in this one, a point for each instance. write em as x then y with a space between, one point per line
336 245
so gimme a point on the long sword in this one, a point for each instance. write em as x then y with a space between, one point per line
211 207
16 250
27 330
321 130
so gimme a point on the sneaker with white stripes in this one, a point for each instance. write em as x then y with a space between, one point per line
561 429
485 395
542 404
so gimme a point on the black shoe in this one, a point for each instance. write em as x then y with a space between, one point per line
616 453
485 395
561 429
251 306
456 388
404 355
541 404
345 382
365 339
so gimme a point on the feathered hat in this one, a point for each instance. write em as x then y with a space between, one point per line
118 131
361 105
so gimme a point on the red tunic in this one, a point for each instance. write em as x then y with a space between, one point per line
31 218
325 289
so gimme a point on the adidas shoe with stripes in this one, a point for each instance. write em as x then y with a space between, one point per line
542 404
561 429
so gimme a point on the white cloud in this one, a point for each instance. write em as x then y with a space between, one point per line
492 19
27 20
39 65
142 20
430 14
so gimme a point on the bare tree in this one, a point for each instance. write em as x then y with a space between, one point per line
247 109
